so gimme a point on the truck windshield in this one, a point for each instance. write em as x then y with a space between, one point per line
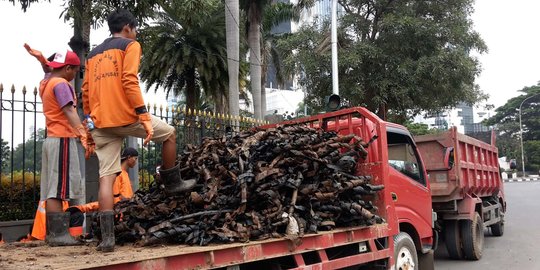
403 157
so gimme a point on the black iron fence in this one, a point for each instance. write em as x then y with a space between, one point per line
22 132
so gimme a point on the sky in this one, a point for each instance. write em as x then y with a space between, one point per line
508 30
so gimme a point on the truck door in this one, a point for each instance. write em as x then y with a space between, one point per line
408 183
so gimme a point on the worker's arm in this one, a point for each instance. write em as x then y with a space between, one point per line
126 191
132 89
130 79
85 208
39 56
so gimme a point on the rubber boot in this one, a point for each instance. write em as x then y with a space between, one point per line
106 222
173 181
58 230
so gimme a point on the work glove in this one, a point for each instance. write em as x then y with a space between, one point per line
80 131
146 121
35 53
90 144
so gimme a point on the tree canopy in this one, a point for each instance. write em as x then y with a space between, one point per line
506 121
402 57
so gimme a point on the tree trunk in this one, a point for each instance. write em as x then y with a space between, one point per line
264 71
191 91
254 39
80 42
233 50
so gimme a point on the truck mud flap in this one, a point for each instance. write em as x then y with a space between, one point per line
426 261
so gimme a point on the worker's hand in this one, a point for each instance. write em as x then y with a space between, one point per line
35 53
146 121
90 144
80 131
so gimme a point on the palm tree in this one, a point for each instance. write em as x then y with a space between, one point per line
232 19
184 50
255 10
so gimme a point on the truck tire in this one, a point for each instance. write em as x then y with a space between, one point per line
405 256
472 233
497 229
452 239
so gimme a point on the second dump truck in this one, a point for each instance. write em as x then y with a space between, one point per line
466 190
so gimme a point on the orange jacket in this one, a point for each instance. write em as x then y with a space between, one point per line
55 119
40 221
111 90
121 190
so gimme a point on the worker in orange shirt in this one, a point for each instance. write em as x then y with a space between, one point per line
61 178
113 100
122 190
122 186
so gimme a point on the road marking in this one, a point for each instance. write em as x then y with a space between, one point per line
528 179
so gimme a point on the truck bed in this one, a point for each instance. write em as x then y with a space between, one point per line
475 169
37 255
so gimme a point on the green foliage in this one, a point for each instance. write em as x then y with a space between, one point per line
5 154
186 53
532 158
506 121
27 149
18 195
417 129
25 4
146 179
394 56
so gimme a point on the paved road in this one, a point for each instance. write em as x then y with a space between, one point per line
519 247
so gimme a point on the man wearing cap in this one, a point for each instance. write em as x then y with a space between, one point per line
113 99
61 178
122 185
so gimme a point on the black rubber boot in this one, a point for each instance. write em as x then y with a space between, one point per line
58 230
106 222
173 181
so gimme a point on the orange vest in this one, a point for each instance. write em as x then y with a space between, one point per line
55 119
40 221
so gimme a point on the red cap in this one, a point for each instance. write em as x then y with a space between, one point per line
64 58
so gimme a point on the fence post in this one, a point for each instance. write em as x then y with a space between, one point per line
134 172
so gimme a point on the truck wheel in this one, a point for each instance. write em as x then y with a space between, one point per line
472 232
405 256
497 229
452 238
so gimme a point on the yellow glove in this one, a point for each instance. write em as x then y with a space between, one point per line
146 121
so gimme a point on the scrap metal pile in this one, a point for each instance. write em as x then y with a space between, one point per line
258 184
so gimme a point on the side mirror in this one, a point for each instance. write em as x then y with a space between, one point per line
449 158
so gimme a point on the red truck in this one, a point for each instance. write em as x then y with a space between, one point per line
466 190
405 240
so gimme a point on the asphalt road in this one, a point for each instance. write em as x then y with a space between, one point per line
519 247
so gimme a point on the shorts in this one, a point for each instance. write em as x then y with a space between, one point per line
61 176
109 142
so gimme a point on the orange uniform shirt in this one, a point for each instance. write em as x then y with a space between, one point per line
55 119
121 189
111 90
40 221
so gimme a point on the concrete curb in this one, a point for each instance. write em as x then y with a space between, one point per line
526 179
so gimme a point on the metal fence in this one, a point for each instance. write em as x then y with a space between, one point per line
22 131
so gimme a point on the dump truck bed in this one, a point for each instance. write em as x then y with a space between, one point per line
475 168
313 249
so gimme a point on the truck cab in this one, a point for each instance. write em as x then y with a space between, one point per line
393 160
